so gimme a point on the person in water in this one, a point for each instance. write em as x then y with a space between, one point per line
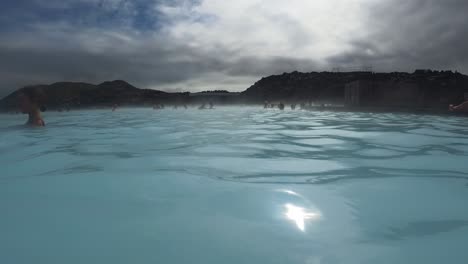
281 106
30 102
463 107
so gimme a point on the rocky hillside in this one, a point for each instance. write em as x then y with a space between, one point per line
301 86
422 88
72 94
330 86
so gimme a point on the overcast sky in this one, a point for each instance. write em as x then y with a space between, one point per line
184 45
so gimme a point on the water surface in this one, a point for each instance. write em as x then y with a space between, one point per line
234 185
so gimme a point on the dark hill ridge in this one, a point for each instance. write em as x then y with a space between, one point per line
118 85
421 89
75 94
302 86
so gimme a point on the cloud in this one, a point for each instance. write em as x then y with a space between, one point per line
406 35
212 44
294 28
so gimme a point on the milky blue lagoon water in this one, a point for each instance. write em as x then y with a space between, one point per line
233 185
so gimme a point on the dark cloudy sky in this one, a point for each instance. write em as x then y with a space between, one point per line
219 44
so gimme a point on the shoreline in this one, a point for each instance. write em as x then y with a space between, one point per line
350 109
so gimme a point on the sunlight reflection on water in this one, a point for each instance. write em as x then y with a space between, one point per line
233 185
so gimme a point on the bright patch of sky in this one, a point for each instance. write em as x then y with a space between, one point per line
213 44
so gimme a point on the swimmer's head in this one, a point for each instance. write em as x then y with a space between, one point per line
30 99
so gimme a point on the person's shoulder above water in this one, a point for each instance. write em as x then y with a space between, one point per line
31 101
463 107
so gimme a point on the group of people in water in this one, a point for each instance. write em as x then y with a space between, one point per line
31 101
463 107
281 106
176 106
203 106
267 105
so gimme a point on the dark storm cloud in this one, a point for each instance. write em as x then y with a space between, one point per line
406 35
80 48
136 14
143 65
253 66
44 41
95 57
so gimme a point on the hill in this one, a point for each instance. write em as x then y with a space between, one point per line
422 88
75 94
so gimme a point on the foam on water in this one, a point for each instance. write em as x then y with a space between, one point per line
234 185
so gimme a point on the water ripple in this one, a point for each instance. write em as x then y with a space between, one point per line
241 144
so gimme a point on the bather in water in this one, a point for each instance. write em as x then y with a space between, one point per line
463 107
281 106
31 101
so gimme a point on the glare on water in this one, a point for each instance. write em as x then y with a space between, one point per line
227 186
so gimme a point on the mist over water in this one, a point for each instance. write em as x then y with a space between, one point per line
233 185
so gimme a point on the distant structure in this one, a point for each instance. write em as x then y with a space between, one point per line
383 92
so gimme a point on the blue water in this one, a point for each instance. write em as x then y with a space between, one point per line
233 185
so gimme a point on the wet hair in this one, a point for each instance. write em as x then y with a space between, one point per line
36 95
